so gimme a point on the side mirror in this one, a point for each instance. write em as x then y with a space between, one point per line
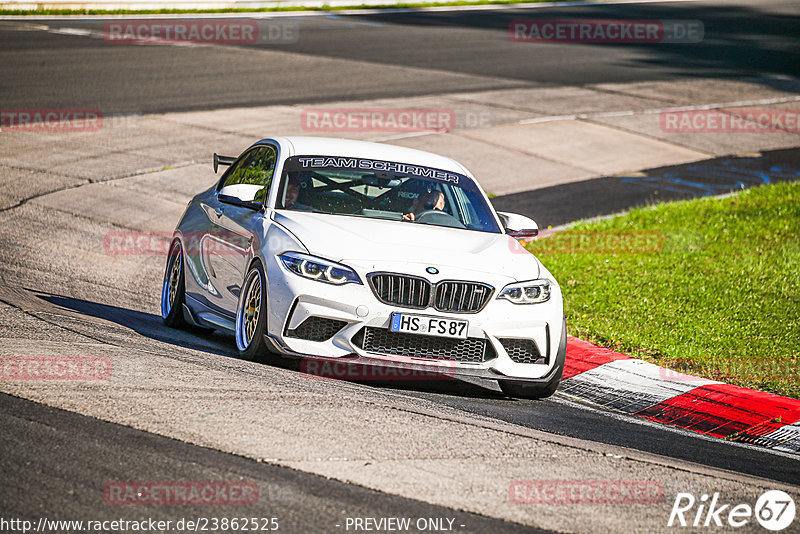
246 195
518 226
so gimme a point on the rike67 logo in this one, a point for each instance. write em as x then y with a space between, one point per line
774 510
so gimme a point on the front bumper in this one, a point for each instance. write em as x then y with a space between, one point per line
293 299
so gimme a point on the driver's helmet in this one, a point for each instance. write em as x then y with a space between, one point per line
418 195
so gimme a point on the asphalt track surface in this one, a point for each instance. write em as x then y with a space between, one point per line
454 51
302 502
352 58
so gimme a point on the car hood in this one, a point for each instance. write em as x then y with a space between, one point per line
389 245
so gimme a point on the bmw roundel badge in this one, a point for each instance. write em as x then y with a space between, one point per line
432 270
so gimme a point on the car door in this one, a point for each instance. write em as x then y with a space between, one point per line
234 213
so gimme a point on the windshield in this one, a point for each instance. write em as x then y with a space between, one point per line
384 190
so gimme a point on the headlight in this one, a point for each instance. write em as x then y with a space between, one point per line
319 269
532 292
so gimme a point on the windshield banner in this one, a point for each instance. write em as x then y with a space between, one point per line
300 163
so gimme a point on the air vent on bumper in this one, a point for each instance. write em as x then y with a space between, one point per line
316 329
522 350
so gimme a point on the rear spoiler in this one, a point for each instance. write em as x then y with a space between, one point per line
222 160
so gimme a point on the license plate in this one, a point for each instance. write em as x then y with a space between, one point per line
429 326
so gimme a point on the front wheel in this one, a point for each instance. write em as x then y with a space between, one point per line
528 390
251 314
173 290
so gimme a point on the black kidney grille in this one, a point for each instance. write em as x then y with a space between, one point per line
402 290
414 292
384 341
457 296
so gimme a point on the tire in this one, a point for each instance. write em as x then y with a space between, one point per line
173 290
528 390
251 314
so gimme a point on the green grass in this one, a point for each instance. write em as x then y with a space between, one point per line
255 10
710 287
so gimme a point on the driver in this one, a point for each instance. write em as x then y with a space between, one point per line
426 201
292 192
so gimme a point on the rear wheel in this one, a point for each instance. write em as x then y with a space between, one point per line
251 314
528 390
173 290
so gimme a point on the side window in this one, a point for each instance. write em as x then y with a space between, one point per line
251 177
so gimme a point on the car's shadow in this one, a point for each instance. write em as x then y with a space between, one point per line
144 324
151 326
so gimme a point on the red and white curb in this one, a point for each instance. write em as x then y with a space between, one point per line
629 385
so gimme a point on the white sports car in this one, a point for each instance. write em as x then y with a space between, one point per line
366 253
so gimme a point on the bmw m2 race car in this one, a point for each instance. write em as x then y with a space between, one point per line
366 253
